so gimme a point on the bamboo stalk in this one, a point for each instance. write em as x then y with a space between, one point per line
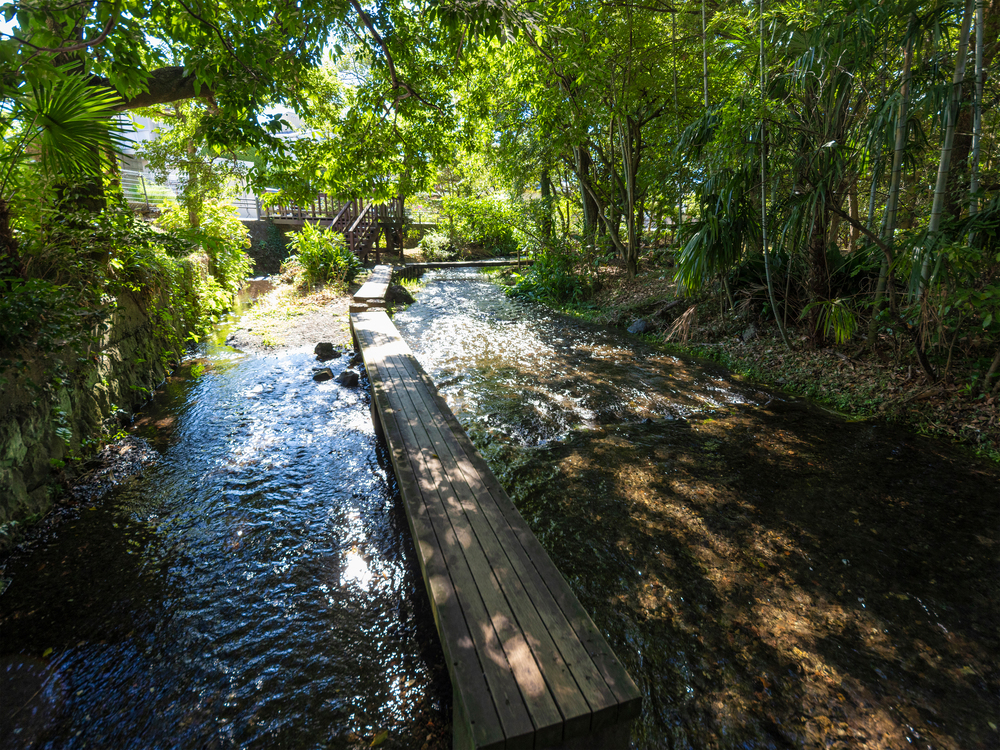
763 183
896 179
977 116
944 165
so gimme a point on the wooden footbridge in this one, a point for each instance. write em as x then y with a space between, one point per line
362 223
529 669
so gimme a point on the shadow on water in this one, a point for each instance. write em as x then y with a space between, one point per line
254 587
772 575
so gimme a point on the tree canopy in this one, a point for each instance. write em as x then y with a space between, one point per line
824 143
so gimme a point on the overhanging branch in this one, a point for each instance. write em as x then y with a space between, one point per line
165 85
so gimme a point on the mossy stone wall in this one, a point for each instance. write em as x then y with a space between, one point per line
54 406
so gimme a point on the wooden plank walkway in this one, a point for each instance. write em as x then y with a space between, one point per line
528 666
372 292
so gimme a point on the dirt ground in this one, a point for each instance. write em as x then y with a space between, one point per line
283 318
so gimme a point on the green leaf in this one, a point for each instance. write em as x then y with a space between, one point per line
380 738
73 124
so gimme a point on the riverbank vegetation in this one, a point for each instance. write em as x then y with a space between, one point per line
795 191
883 382
826 174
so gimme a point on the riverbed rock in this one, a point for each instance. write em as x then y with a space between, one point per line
322 375
640 326
399 295
325 351
356 359
348 378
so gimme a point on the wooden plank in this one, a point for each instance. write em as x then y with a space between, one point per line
485 610
521 616
531 602
536 609
430 390
463 596
628 699
529 646
574 643
376 287
574 662
467 673
470 681
627 695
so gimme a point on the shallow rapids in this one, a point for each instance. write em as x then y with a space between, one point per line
254 587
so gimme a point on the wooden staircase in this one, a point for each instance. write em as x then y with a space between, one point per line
360 223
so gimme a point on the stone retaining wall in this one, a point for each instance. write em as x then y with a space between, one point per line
268 246
46 418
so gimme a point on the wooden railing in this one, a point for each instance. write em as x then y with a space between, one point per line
320 210
364 230
360 223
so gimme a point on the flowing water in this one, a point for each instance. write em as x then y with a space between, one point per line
772 575
253 587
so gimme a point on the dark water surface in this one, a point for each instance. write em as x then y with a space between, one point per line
772 575
255 587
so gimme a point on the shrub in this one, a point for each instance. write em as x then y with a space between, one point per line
488 223
323 256
71 266
552 279
436 246
222 236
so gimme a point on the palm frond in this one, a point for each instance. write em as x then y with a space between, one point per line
75 125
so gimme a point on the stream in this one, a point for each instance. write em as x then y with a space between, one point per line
771 574
253 587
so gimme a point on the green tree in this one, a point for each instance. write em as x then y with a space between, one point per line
205 172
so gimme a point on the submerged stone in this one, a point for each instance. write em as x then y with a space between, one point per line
348 378
325 374
640 326
399 294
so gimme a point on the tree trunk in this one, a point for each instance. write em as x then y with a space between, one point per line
545 188
852 207
895 183
704 53
977 115
582 169
819 275
834 230
763 186
630 139
944 164
191 193
8 243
